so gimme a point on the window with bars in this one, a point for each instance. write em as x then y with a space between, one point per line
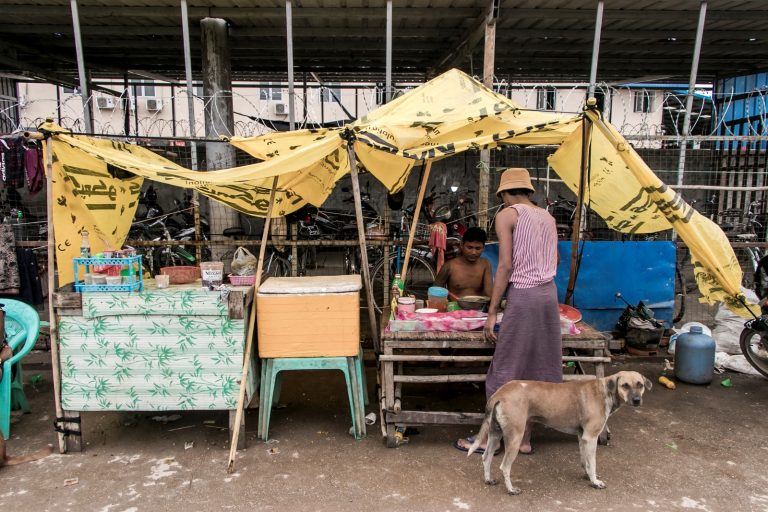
546 98
328 92
273 92
145 89
643 101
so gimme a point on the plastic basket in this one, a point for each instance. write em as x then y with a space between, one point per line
134 281
242 280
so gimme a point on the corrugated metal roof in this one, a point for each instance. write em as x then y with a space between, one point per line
344 39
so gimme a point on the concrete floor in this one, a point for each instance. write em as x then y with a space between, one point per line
695 448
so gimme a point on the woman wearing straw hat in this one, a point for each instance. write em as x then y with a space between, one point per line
529 344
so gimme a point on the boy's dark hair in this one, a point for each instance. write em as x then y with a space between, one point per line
474 234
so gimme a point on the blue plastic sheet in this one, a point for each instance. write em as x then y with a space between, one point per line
639 270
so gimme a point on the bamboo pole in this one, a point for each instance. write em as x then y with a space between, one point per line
416 212
576 229
363 247
55 363
249 335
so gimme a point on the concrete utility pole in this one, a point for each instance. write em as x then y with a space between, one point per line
219 116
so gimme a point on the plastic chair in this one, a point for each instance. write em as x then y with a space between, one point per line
351 367
22 325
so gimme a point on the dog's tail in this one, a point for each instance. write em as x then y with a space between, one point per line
489 422
39 454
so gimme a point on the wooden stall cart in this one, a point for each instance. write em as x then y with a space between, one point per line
400 353
172 349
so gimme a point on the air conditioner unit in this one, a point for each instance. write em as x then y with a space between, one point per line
154 104
105 102
281 109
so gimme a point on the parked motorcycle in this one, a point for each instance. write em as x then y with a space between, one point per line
157 229
754 343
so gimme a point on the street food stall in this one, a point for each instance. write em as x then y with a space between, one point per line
406 352
94 184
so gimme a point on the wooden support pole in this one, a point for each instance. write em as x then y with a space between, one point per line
484 179
586 137
55 363
238 420
363 248
416 212
387 280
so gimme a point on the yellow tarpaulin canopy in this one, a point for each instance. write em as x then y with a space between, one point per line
445 116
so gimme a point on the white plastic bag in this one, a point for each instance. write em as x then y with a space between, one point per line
728 326
244 262
737 363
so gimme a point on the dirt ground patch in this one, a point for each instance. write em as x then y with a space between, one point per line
695 448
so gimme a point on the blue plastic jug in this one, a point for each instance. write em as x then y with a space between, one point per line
695 357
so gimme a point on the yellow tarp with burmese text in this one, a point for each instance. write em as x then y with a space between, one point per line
448 115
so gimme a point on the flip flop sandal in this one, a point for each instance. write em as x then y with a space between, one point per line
470 440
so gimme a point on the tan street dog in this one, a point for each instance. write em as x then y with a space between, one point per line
13 461
578 407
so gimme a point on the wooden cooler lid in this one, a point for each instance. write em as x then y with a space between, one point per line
310 285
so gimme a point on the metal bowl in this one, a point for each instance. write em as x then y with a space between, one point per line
474 302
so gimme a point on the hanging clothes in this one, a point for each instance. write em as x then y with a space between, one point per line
30 286
34 170
12 152
9 268
438 233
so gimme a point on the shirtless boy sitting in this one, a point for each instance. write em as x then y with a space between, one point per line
467 274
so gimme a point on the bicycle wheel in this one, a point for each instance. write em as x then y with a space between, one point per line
754 346
420 276
680 295
278 266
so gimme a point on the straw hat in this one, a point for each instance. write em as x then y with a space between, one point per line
515 177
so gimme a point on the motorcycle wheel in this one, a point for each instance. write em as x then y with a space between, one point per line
443 213
754 346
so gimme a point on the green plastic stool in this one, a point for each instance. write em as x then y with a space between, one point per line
360 369
270 386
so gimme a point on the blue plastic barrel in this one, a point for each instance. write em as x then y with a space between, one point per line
695 357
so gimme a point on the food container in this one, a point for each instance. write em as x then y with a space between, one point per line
181 275
474 302
212 273
162 280
99 278
114 280
438 298
403 325
406 305
426 311
314 316
87 278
